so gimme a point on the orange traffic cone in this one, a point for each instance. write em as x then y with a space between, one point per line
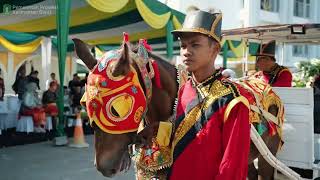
78 137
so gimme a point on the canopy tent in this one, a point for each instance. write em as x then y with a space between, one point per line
282 33
96 22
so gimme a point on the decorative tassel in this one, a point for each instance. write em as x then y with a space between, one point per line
146 45
261 128
272 128
156 74
125 37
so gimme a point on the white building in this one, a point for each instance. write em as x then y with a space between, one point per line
246 13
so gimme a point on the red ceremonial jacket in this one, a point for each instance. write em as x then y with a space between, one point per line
280 76
212 131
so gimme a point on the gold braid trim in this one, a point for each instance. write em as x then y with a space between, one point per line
234 102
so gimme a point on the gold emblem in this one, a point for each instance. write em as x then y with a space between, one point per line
138 114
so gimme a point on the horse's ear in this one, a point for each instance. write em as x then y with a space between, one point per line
84 54
123 65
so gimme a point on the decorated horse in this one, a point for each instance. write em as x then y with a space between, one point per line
130 92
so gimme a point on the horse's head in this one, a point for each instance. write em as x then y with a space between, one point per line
117 93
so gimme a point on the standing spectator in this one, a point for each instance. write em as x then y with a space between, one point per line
76 97
19 85
84 81
73 83
1 87
53 79
83 84
66 99
33 77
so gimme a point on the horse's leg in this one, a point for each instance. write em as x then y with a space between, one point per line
254 154
252 172
265 170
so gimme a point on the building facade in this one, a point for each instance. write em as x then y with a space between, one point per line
246 13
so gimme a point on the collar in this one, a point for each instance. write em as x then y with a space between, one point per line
204 87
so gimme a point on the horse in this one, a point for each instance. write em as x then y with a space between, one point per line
111 150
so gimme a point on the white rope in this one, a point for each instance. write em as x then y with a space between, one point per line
270 158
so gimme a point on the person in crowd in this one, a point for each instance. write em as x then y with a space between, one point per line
76 97
33 77
49 102
73 83
84 81
19 86
269 71
31 106
66 99
52 79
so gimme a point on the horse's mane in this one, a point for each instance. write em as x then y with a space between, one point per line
160 59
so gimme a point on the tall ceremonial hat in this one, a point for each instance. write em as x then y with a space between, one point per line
199 21
267 49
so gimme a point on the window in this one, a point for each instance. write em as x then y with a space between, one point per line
300 50
242 4
270 5
302 8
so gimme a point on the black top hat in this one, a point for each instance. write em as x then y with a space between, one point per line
267 49
202 22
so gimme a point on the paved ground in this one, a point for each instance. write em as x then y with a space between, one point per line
43 161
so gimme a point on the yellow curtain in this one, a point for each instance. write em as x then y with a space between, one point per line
176 23
99 53
4 59
18 58
24 48
154 33
69 65
108 6
238 51
80 16
154 20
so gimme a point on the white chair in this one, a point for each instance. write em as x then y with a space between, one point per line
70 122
3 114
13 103
25 124
3 106
49 123
3 118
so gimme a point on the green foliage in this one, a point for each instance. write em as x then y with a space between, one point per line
306 71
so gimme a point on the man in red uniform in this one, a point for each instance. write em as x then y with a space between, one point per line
212 130
270 71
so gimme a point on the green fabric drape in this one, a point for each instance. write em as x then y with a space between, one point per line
225 54
63 14
169 39
18 37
